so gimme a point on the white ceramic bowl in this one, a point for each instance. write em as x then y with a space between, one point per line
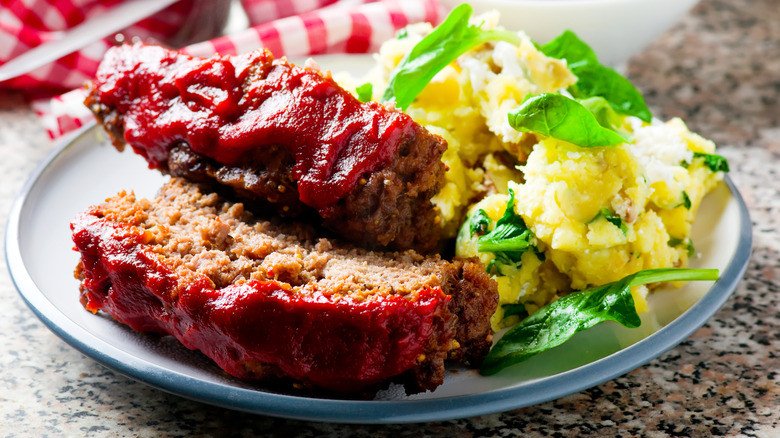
615 29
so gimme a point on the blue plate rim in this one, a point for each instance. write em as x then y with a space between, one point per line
366 412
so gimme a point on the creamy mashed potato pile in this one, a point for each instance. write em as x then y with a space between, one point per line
650 189
466 103
596 214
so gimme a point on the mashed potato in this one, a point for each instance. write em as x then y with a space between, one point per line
595 214
565 192
467 102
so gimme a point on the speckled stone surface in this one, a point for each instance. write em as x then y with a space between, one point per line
719 69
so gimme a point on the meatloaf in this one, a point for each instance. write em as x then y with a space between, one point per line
267 299
279 135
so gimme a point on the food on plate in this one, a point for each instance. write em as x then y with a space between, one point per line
564 199
557 322
266 299
594 215
467 102
284 136
559 178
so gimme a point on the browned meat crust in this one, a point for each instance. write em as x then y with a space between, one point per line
146 263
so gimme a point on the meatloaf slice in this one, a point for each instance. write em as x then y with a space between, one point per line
273 132
265 299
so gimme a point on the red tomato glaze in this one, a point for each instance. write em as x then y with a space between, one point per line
341 345
227 106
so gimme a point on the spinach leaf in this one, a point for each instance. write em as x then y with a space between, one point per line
612 218
617 90
365 92
603 112
595 79
686 200
516 309
510 238
570 47
452 38
557 322
479 223
555 115
716 163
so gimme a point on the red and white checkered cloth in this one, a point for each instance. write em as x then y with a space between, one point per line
25 24
286 27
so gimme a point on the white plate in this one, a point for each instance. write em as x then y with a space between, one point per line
85 170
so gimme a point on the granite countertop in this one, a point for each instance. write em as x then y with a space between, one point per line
719 69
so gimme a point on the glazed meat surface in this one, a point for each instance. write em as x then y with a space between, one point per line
266 300
278 135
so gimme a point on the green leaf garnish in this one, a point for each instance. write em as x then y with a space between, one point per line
510 238
515 309
595 79
617 90
479 223
557 116
570 47
557 322
603 112
686 200
612 218
452 38
716 163
365 92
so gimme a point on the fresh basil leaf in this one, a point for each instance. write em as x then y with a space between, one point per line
554 324
595 79
452 38
479 223
716 163
612 218
365 92
557 116
510 238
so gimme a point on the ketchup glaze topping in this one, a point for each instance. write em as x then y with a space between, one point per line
225 107
341 344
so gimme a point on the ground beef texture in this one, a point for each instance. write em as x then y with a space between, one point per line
268 300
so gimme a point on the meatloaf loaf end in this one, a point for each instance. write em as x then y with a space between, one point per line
265 299
283 135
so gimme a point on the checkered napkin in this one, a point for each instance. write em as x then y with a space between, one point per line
25 24
286 27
